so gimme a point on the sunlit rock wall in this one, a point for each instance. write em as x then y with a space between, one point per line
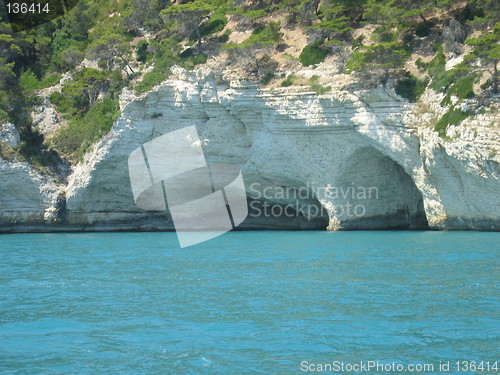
354 158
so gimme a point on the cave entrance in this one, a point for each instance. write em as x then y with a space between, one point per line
378 193
284 207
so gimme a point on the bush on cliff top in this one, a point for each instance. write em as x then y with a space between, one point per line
410 87
312 54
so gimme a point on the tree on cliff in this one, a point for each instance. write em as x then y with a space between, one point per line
189 16
387 56
11 53
78 95
112 50
334 16
487 49
145 14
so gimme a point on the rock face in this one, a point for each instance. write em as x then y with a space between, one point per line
356 158
45 117
9 134
28 201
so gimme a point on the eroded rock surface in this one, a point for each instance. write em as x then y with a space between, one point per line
361 157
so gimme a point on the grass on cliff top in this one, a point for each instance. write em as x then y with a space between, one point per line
75 139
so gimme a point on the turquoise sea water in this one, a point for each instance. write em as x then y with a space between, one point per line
246 302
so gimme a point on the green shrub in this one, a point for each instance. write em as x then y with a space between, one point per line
438 63
62 102
7 152
150 80
77 95
312 54
263 35
463 87
211 26
268 77
455 81
49 80
358 42
116 83
288 81
201 58
486 85
356 61
81 132
320 89
223 38
423 29
442 81
142 51
4 116
28 81
189 58
269 34
441 78
61 43
452 117
421 65
410 87
188 52
32 149
162 64
390 55
385 34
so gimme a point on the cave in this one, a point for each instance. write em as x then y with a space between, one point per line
379 194
297 210
370 191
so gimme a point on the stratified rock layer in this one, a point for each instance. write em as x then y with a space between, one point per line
28 200
355 158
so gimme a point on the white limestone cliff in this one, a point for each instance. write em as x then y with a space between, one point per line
28 200
334 147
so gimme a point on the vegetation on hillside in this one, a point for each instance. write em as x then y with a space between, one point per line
135 44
